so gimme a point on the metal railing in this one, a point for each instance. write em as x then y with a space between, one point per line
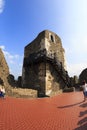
42 55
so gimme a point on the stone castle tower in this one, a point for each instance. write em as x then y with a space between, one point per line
44 67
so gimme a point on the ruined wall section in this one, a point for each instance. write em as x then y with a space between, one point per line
54 83
49 41
42 75
53 46
36 45
4 71
33 75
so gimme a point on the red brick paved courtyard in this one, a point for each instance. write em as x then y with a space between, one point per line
66 111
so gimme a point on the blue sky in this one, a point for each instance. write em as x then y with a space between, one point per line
22 20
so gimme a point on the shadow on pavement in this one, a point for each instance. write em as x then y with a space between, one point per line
71 105
82 127
83 122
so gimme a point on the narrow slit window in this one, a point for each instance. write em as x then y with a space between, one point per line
52 38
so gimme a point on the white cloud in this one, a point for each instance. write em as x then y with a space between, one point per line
2 47
80 45
76 45
2 3
76 55
76 69
8 55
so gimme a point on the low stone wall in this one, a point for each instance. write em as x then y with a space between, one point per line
24 93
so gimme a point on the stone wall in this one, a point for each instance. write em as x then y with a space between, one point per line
44 41
53 45
4 72
34 77
53 80
37 72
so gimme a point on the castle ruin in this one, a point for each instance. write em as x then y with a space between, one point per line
44 65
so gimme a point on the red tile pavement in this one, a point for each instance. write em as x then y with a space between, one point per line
66 111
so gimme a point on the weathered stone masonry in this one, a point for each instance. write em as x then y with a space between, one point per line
44 67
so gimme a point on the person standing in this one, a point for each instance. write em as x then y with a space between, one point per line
84 86
2 91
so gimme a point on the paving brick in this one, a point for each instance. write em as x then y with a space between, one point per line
66 111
